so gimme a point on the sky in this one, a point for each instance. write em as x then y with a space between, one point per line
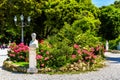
100 3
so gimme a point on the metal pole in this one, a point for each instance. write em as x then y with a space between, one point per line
22 33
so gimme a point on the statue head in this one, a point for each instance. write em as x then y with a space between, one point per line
33 35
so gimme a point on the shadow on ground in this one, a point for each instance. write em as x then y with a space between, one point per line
114 59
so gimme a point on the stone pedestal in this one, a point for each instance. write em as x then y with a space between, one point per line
32 60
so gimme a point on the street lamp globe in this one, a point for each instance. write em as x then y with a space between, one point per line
22 17
15 19
29 19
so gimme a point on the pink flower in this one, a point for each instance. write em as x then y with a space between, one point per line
92 49
42 65
97 48
39 57
21 57
16 51
12 55
26 48
42 51
19 49
76 46
47 52
73 56
21 45
86 52
46 58
79 51
94 56
87 58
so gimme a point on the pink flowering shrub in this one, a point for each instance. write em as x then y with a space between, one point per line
57 56
18 52
43 54
87 55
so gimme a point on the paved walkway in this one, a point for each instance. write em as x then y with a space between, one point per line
111 72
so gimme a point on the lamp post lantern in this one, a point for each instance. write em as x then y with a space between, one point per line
22 25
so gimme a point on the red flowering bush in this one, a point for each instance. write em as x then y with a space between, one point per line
18 52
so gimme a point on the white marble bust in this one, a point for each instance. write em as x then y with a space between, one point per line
34 41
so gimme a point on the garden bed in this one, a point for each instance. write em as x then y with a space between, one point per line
69 68
54 59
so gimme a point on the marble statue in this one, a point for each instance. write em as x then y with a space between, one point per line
32 54
34 41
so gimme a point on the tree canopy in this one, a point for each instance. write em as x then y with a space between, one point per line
49 16
110 18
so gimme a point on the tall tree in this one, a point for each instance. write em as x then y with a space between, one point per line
110 26
48 16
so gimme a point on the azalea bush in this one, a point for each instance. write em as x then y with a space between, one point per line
18 52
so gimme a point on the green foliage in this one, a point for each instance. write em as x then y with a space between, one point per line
87 22
79 33
43 54
56 53
22 64
66 34
8 10
61 46
117 4
60 54
110 26
87 39
48 16
114 43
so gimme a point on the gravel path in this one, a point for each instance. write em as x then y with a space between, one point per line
111 72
